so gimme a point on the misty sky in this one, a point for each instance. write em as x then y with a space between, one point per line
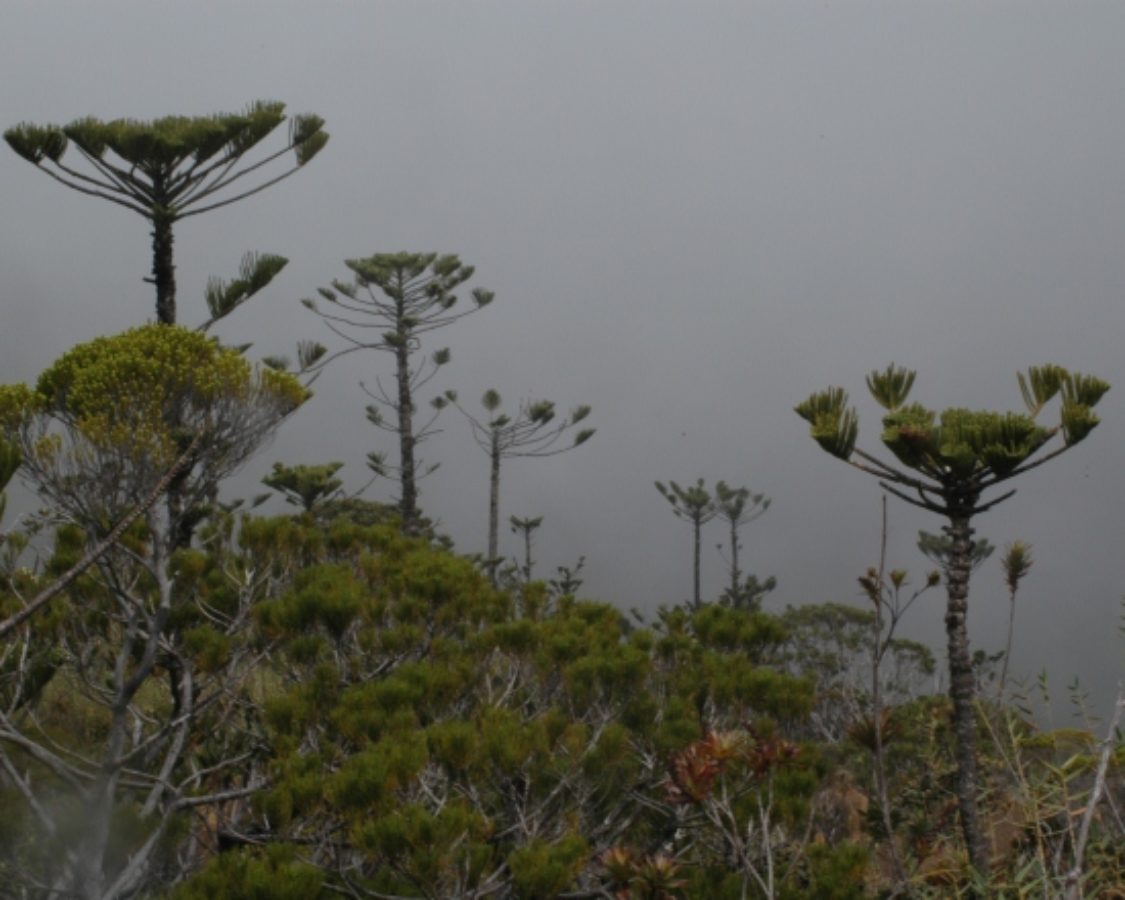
692 214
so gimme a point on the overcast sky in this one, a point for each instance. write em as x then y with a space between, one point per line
692 215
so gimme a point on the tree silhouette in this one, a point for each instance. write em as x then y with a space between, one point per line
171 168
399 296
738 507
533 431
305 486
527 528
950 461
696 506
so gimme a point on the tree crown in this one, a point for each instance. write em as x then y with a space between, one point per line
164 166
693 503
958 445
104 422
121 390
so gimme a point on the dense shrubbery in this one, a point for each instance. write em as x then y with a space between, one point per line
408 730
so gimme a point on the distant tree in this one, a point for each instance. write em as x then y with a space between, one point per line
401 297
950 461
171 168
696 506
533 431
305 486
568 581
738 507
527 528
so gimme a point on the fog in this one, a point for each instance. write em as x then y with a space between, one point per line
692 215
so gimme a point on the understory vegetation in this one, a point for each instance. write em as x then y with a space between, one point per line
372 718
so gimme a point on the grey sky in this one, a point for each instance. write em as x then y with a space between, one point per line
692 215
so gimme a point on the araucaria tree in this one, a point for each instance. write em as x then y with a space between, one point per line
526 528
696 506
738 507
947 464
533 431
155 660
171 168
396 298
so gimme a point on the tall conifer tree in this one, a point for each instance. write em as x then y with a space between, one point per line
171 168
533 431
401 297
696 506
950 461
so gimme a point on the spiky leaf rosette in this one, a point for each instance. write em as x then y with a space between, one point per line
1040 385
255 272
960 444
1080 393
834 425
965 443
891 387
909 433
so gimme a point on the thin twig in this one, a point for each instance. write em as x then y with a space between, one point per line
66 579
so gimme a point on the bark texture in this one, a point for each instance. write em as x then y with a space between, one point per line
697 526
408 502
494 508
962 688
735 574
163 269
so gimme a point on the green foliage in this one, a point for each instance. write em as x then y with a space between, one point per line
398 298
891 387
256 271
959 444
425 736
938 548
169 168
157 148
693 503
126 391
739 505
305 486
456 740
966 443
836 873
1040 385
525 432
10 460
272 873
540 869
17 403
833 424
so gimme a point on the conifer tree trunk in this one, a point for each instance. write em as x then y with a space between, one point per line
697 522
408 504
164 277
494 507
734 573
163 269
527 556
962 688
